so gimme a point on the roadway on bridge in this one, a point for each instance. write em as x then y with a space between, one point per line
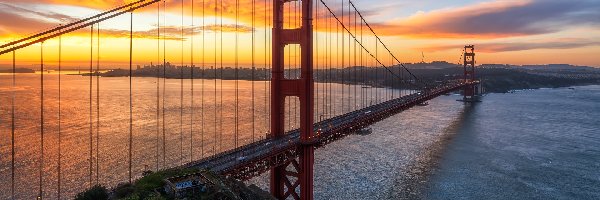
231 159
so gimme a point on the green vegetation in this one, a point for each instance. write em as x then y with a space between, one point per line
95 193
144 188
150 187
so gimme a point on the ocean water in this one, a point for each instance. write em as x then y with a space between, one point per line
190 131
539 144
534 144
375 166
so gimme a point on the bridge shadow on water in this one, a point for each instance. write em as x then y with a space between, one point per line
414 183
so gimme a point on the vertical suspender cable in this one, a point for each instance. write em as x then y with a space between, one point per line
289 63
221 89
253 67
157 85
237 10
192 87
377 73
59 117
349 69
41 166
361 70
401 80
343 61
215 84
266 77
316 36
130 92
395 82
349 26
270 22
337 63
202 78
164 138
331 105
355 64
97 104
349 60
12 129
91 161
327 57
181 92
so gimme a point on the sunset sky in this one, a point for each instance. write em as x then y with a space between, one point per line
511 32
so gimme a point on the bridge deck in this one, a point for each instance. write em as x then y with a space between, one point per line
253 159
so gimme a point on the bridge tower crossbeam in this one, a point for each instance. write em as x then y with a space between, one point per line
286 179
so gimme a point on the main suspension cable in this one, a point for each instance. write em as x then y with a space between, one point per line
385 46
356 40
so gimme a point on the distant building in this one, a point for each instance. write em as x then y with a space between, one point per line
187 185
495 66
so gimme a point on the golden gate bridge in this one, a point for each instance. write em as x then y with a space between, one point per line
305 41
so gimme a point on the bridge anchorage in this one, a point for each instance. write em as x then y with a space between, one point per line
470 91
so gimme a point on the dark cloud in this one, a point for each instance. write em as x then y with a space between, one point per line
18 20
31 13
21 20
521 46
499 19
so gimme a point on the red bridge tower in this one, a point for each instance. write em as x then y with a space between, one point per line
284 183
470 91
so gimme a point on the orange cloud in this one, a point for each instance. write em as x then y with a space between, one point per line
18 21
174 33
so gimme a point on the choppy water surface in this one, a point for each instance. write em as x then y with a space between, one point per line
213 125
537 144
534 144
371 166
